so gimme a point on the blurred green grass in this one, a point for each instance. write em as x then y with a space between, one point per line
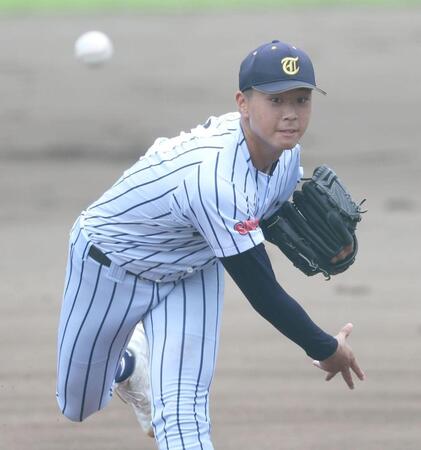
174 5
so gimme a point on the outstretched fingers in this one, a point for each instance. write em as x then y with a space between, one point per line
357 370
346 330
346 375
343 360
330 375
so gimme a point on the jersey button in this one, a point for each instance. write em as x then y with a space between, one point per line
189 270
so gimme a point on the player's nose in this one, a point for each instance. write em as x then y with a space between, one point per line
289 111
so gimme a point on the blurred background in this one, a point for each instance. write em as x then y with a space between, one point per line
68 131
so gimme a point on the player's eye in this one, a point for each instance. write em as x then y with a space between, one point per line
275 100
303 99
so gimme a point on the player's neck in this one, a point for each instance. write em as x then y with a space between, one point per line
261 155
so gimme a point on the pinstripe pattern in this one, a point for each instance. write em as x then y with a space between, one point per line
114 339
70 263
73 303
148 166
93 349
137 186
236 192
161 373
187 202
183 334
205 212
180 370
217 206
201 358
75 342
203 180
219 293
97 319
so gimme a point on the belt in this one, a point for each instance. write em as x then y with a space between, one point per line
96 254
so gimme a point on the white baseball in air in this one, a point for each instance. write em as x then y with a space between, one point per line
93 48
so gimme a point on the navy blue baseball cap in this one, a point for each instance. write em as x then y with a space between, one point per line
277 67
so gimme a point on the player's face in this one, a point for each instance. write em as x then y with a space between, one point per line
274 122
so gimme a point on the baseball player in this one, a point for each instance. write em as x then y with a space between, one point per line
153 248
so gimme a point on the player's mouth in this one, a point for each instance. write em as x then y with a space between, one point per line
288 132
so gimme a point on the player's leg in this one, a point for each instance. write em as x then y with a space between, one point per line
101 306
183 334
133 379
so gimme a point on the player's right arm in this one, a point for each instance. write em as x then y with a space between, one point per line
222 214
343 360
252 272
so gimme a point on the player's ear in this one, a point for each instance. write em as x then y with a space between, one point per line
242 103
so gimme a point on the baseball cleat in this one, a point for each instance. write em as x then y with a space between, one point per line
135 389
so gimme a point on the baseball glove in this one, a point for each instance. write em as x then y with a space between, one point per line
316 231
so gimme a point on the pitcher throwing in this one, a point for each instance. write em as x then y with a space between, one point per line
153 248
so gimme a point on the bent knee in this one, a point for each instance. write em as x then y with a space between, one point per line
75 414
72 416
75 410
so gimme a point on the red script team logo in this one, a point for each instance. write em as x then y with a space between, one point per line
246 226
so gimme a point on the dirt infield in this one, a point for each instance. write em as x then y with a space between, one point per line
67 133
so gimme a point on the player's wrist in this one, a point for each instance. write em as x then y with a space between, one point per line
323 350
334 350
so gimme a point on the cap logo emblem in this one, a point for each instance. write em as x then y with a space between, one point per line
290 65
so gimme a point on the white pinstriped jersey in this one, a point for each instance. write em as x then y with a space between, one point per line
189 200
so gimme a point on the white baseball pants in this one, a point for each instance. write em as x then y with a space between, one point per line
101 306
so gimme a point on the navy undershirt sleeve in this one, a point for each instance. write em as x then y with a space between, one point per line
253 273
